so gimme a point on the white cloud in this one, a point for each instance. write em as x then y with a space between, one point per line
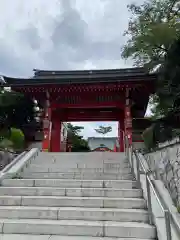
62 34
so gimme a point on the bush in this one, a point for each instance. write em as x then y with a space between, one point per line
178 208
6 144
148 137
17 138
159 132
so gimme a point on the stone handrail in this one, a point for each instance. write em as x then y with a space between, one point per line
166 201
18 164
15 160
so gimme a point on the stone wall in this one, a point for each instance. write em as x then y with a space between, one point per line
165 164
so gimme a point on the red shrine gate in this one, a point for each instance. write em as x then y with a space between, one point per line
98 95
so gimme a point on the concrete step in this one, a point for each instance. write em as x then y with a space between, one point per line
71 192
83 166
86 163
56 237
74 213
77 228
71 183
83 156
80 163
91 196
49 168
88 202
93 176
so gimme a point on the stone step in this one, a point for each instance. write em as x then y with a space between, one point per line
83 165
71 183
70 154
95 176
77 228
49 168
71 192
80 162
74 213
92 161
56 237
99 156
91 202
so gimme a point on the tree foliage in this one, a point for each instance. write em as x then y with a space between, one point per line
153 32
12 139
16 111
74 130
17 138
103 130
168 89
78 143
153 27
167 97
154 42
148 137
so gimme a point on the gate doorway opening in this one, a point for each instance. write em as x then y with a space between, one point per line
100 136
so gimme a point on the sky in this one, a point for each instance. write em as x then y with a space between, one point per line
63 35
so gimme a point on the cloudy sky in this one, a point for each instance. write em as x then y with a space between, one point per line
61 35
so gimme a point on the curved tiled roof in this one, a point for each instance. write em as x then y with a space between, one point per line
82 76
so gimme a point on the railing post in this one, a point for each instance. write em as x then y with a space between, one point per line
138 169
131 156
168 225
124 142
149 202
127 149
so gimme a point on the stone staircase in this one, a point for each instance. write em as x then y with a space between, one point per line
74 196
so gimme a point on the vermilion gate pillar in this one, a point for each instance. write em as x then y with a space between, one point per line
121 134
56 134
128 122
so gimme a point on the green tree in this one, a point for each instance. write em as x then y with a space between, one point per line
104 130
17 138
153 42
15 109
78 143
16 112
76 130
169 75
167 98
153 27
7 102
152 30
11 139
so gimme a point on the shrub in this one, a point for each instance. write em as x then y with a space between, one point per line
178 208
6 144
148 137
17 138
